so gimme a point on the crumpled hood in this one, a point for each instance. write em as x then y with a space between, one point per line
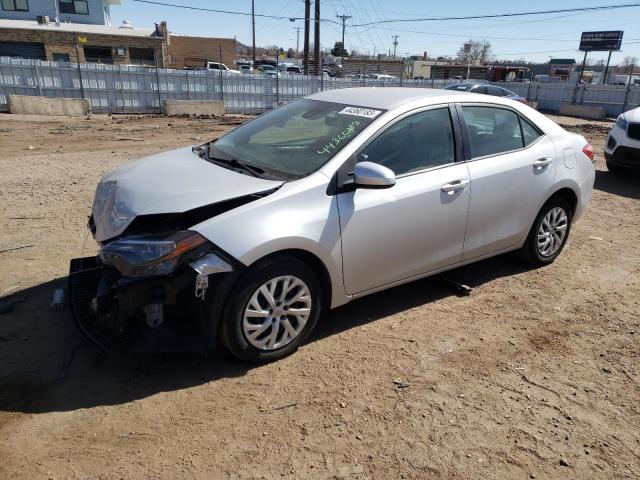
170 182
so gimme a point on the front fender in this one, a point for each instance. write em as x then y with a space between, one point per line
299 216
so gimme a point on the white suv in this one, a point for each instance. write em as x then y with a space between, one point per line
622 150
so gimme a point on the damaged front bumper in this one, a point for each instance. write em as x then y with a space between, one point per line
114 311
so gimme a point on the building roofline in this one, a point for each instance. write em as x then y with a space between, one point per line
65 27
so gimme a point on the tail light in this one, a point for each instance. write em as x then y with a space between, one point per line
588 151
523 100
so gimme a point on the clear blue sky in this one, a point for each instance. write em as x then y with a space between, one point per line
535 38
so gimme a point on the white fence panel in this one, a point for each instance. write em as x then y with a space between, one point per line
132 89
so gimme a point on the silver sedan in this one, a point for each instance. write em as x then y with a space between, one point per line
326 199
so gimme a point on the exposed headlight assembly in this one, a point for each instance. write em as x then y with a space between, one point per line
622 122
147 256
111 214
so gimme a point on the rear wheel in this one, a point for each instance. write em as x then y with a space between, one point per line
549 232
272 310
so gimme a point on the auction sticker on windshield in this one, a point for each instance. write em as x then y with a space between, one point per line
360 112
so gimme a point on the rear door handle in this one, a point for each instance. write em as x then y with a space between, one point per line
542 162
451 187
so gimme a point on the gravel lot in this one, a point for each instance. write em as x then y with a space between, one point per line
534 375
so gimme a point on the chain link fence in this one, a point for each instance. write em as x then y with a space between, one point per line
134 89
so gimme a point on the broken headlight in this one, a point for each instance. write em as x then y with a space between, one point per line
148 256
110 214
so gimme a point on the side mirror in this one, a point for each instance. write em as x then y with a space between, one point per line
373 175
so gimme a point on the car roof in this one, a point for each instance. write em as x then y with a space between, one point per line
388 98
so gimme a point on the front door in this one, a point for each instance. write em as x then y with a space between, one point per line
416 226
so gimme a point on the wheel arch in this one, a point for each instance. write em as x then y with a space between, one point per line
569 196
316 264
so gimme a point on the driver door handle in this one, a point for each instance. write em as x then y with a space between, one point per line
542 162
451 187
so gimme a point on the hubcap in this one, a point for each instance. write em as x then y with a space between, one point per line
552 231
276 312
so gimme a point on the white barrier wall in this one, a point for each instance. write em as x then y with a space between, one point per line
116 89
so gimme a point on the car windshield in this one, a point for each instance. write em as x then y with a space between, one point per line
295 139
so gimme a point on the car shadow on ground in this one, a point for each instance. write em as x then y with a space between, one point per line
625 184
46 365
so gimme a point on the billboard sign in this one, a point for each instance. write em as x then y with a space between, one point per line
560 71
601 41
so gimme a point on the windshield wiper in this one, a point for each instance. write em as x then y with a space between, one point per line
235 163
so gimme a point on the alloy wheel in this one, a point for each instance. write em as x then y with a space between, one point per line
552 232
277 312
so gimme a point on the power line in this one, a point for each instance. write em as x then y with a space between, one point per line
499 15
226 12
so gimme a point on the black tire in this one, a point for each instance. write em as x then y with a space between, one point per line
613 168
530 251
231 330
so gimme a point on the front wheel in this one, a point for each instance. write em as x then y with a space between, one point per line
549 233
272 310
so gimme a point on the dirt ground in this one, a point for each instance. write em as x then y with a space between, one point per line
534 375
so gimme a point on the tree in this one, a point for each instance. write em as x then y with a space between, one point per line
338 50
628 63
480 52
291 53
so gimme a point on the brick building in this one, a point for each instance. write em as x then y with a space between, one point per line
194 52
124 45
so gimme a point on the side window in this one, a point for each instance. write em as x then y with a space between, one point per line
420 141
529 133
481 89
495 91
491 130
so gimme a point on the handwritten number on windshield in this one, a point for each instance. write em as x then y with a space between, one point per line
338 139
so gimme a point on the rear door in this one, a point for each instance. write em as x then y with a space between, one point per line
511 167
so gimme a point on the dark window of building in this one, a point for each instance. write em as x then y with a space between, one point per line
78 7
15 5
60 57
23 50
141 56
98 55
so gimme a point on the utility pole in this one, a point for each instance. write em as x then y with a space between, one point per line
344 19
606 69
305 55
253 30
395 45
316 37
297 29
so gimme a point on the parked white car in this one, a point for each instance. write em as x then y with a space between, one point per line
383 76
622 150
326 199
221 66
